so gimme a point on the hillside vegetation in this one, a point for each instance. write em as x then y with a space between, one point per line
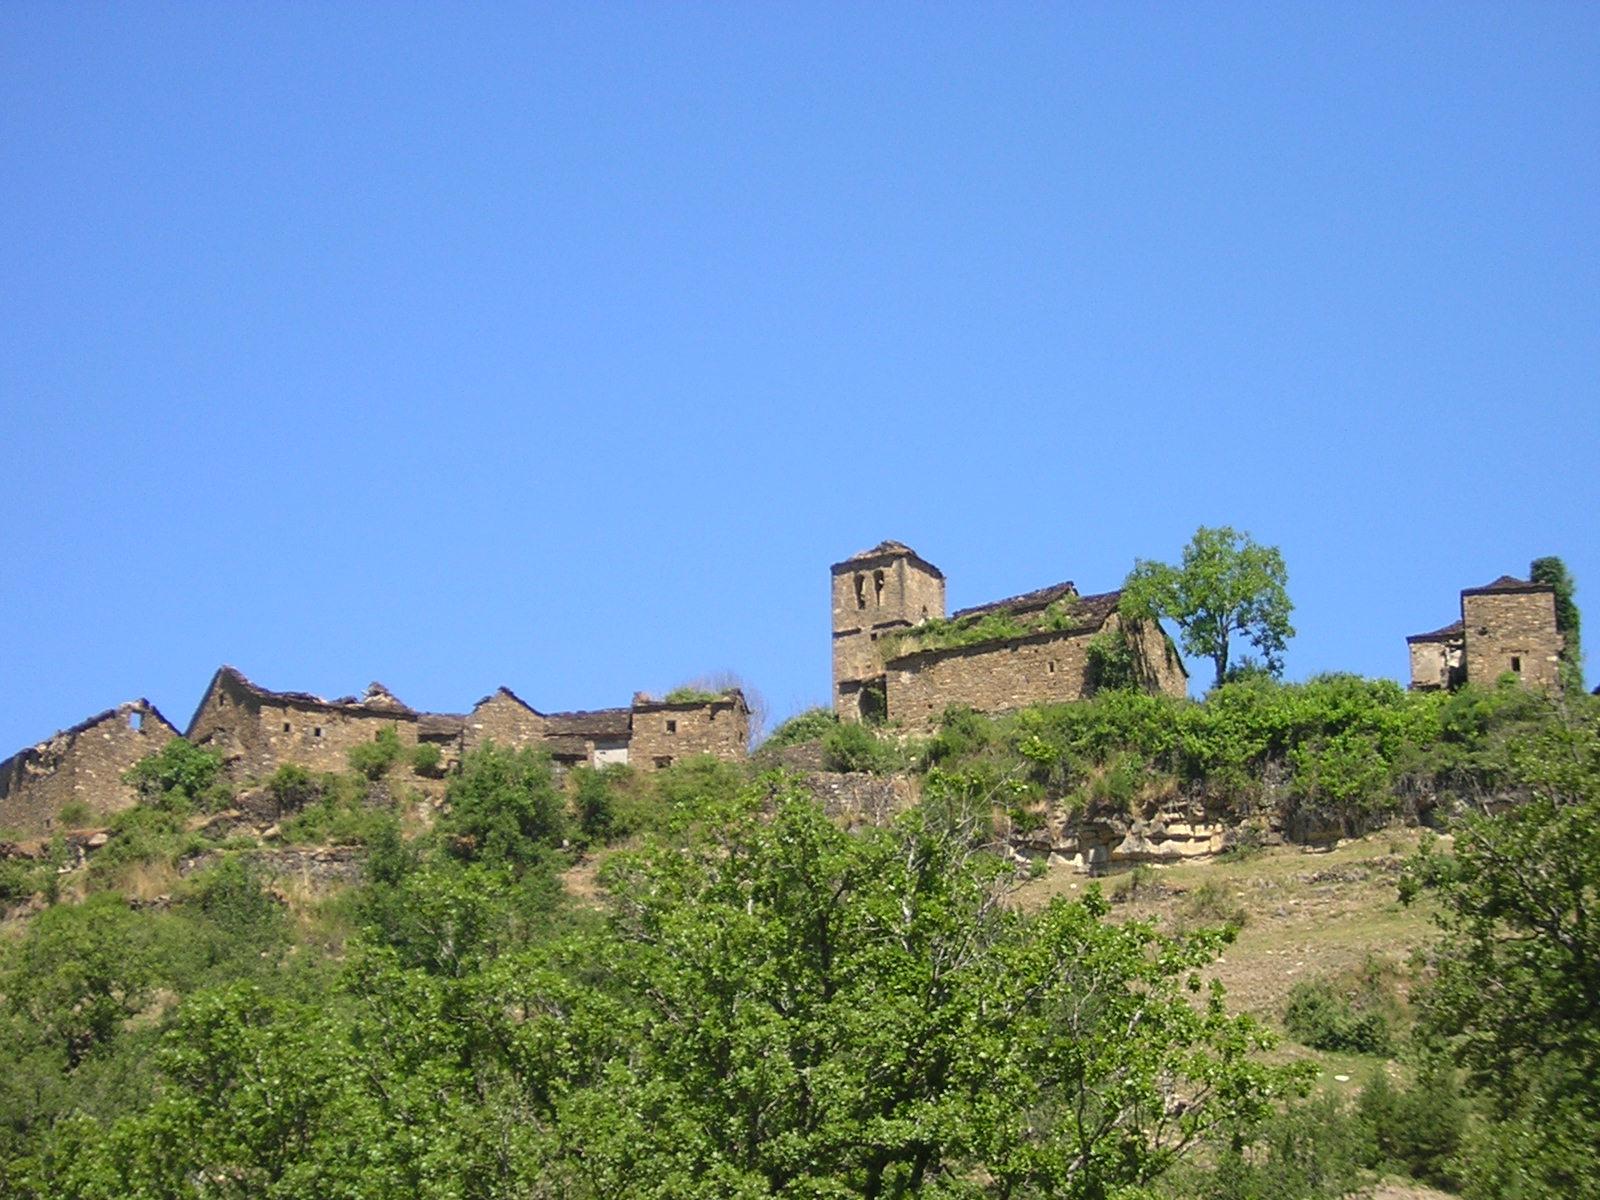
692 983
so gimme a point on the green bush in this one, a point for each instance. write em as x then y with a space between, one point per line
426 757
74 814
180 776
852 747
809 726
1322 1017
293 787
1419 1129
373 759
341 814
503 808
1212 904
596 802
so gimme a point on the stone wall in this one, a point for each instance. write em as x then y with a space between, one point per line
1511 631
664 733
1430 664
84 764
1041 668
505 720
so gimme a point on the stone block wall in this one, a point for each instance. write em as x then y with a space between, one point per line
665 733
1511 631
505 720
873 594
84 764
1042 668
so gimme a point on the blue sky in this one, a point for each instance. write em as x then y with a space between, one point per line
565 347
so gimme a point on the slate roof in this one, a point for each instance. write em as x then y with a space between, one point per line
1508 583
1449 633
596 723
1027 602
1090 613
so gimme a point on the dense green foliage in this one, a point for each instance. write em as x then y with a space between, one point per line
373 759
1226 584
807 726
760 1004
1553 571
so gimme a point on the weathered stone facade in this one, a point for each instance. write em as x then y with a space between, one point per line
84 764
882 592
664 733
257 730
1506 627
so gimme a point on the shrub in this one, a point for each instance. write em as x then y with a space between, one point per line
1212 904
373 759
425 758
596 803
1417 1130
852 747
74 814
809 726
293 787
1320 1016
503 808
692 695
180 775
19 879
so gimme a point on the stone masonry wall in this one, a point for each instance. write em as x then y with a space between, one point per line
83 764
1504 625
871 596
1041 668
506 721
664 733
1429 665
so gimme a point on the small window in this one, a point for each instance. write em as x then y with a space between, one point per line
136 720
317 732
222 701
861 591
672 726
1516 663
286 727
877 587
1050 666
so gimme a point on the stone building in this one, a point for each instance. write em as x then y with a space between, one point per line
83 765
1506 627
881 671
257 730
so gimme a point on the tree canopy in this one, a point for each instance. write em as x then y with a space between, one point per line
1227 584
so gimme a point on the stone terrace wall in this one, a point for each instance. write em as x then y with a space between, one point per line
1502 625
1041 668
85 763
664 733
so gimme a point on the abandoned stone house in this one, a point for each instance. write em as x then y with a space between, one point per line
881 596
1505 627
83 765
256 730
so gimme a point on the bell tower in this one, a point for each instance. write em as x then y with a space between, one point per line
876 592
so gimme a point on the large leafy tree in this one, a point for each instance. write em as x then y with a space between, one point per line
1226 586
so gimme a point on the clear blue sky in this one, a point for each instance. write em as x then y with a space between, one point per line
565 349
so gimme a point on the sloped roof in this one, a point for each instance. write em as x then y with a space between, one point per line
1508 583
885 552
509 695
378 702
141 705
1449 633
1026 602
1089 613
595 723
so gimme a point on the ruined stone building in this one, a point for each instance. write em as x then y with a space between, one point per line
1040 654
1506 627
83 765
257 730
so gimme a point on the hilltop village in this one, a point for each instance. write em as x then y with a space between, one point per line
897 659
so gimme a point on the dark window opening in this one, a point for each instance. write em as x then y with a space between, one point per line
877 584
861 591
1516 663
672 727
286 727
317 732
222 701
1051 666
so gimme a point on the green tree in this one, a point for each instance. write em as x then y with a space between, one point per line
1516 990
1553 571
1227 584
503 808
